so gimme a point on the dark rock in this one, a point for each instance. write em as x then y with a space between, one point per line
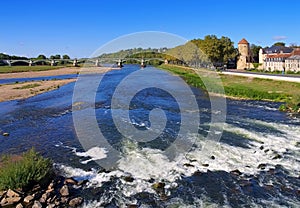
236 172
193 160
76 202
132 206
5 134
159 185
37 204
266 150
277 156
188 165
261 147
205 164
212 157
151 180
64 191
297 144
128 178
262 166
71 181
82 182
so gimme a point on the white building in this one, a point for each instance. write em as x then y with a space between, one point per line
293 63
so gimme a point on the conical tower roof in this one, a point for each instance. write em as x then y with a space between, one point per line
243 41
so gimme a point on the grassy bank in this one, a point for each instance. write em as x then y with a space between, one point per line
12 69
243 87
28 169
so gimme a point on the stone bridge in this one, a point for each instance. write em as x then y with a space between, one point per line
91 61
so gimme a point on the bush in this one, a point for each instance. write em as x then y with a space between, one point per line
30 169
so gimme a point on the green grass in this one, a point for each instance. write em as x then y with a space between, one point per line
28 86
25 172
242 87
12 69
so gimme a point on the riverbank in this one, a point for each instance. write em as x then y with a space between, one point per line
28 89
55 72
243 87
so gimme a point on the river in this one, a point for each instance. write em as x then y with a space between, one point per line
256 163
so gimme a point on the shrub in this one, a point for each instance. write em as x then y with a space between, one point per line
30 169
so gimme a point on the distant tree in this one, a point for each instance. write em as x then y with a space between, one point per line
57 56
66 56
279 44
4 56
255 52
41 56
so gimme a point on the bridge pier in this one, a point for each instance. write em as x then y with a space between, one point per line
120 65
143 64
30 63
75 62
97 63
53 63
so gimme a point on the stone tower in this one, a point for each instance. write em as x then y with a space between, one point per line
245 55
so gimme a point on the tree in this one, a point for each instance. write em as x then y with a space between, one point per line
255 52
66 56
219 51
279 44
57 56
41 56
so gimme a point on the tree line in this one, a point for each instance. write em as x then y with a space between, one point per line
4 56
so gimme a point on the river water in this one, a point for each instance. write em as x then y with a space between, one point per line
256 163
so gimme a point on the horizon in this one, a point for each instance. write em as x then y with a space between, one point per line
80 28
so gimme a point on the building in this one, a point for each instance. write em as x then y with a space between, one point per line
292 63
273 58
244 60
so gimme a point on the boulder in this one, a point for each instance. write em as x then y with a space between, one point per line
37 204
19 205
277 156
71 181
44 197
64 191
9 201
28 199
159 185
76 202
236 172
11 193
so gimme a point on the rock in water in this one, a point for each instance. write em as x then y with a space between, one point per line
76 202
64 191
71 181
5 134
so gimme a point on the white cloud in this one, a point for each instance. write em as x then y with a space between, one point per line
279 37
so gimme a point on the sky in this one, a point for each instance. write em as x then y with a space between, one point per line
80 27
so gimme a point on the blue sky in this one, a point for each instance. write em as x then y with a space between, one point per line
78 28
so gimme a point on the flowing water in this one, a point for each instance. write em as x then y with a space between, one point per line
256 163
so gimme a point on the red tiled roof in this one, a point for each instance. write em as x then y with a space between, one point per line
279 55
243 41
